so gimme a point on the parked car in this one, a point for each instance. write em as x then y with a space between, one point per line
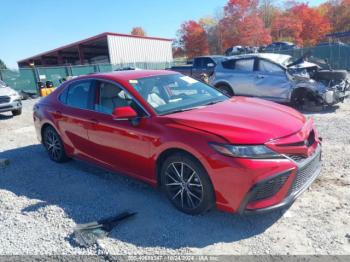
201 65
279 46
276 77
238 50
169 130
10 100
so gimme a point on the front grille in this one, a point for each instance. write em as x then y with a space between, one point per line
305 173
270 187
4 99
297 158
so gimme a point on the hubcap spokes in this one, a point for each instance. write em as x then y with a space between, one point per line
184 185
53 144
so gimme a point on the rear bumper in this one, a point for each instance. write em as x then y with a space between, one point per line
307 172
14 105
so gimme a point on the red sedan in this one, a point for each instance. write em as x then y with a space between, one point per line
169 130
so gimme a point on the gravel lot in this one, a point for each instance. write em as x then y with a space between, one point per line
41 202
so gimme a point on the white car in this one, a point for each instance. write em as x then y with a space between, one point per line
10 100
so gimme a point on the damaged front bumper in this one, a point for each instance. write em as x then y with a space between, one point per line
336 93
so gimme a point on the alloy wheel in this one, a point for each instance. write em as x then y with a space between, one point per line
184 185
53 144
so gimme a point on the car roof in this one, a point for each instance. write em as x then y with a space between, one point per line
279 58
127 75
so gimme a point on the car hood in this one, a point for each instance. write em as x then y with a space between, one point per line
6 91
243 120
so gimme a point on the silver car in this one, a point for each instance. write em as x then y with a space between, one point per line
10 100
276 77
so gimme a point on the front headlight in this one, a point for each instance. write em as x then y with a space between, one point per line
14 95
246 151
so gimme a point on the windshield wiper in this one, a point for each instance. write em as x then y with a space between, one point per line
182 110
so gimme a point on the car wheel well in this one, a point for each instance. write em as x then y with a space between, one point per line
220 85
46 125
167 153
302 95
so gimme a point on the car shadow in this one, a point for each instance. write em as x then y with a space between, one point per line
87 193
5 117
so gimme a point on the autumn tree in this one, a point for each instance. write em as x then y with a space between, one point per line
338 13
242 25
314 24
138 31
210 25
286 27
193 39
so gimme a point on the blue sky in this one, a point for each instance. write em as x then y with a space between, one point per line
31 27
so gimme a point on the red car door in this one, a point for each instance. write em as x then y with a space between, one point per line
118 143
72 116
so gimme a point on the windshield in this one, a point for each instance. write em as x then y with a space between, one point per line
168 94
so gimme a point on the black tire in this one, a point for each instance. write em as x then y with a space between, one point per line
54 145
331 75
17 112
226 90
193 193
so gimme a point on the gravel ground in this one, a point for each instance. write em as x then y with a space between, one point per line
41 202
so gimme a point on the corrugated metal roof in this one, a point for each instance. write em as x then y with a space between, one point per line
91 39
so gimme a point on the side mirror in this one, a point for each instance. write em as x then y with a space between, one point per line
210 65
124 113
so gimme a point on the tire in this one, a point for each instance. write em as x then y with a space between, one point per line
226 90
331 75
17 112
54 145
187 184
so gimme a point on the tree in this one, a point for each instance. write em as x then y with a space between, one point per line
138 31
314 25
193 39
2 65
210 25
288 28
242 25
338 13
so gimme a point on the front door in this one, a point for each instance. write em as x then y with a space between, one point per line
120 144
271 81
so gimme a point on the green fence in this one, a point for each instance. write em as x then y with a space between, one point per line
26 78
338 56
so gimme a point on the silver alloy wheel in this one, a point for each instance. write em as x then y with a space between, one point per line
53 144
184 185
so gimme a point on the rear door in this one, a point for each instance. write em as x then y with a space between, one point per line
240 74
72 116
271 81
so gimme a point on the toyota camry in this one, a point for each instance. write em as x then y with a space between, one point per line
201 147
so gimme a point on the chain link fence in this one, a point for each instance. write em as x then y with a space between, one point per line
25 79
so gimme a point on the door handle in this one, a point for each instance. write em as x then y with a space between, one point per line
260 77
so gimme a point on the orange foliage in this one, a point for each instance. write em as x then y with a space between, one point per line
138 31
194 39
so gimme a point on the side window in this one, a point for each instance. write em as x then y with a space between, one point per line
245 65
197 62
79 95
110 96
207 61
228 64
268 67
63 96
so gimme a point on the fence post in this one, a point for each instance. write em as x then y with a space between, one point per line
36 78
